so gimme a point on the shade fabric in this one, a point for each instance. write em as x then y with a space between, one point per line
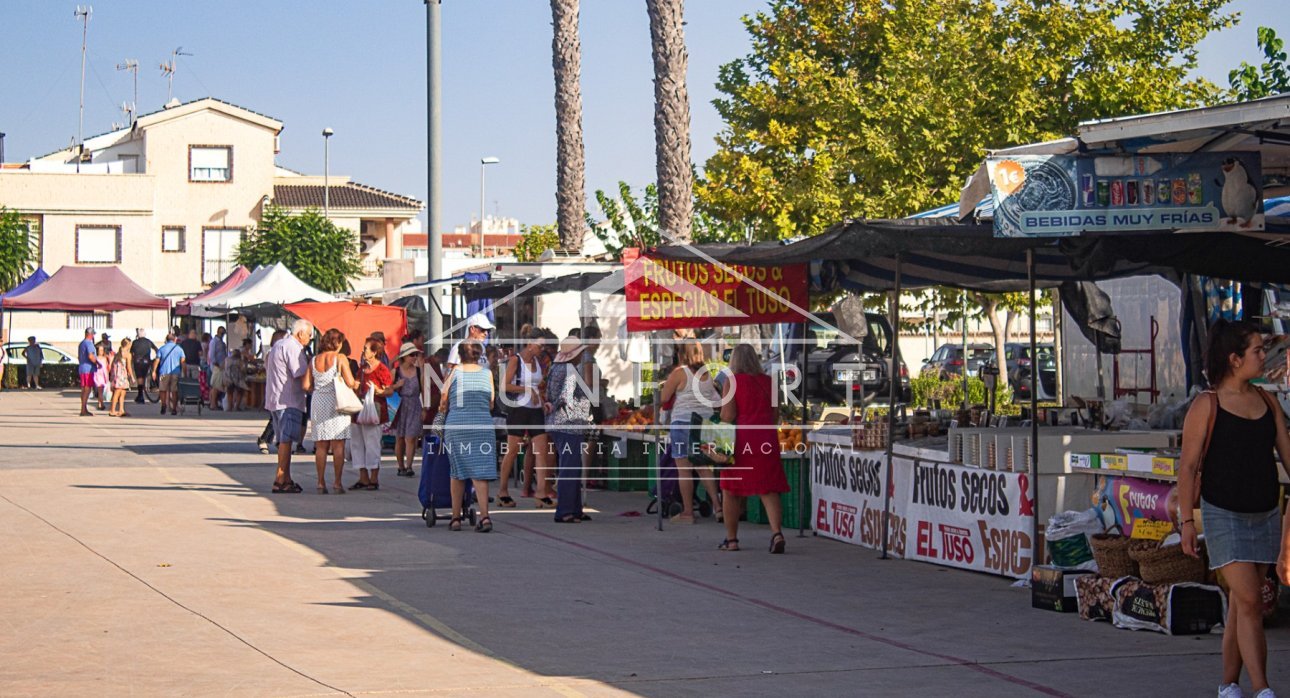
273 285
357 321
87 289
230 282
37 278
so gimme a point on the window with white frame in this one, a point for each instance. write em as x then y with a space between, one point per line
219 250
172 238
210 163
83 321
98 244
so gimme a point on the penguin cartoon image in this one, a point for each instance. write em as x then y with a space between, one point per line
1240 198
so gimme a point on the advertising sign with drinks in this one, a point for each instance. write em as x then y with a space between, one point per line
667 294
1062 195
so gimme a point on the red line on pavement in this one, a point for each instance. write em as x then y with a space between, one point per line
958 661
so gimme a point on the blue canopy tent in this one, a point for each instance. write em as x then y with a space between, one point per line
37 278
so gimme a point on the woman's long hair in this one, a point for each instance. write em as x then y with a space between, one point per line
1226 338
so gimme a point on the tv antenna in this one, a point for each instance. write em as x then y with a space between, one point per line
168 70
82 14
131 65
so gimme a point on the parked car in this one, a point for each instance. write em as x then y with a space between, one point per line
1017 355
837 367
947 360
53 355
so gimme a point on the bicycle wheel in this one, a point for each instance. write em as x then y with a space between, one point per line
150 391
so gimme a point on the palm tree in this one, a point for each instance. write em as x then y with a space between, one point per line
671 118
571 165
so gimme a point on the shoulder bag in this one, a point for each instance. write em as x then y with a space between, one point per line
347 401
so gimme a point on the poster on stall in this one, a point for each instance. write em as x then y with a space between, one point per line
1141 507
847 492
671 294
965 517
1062 195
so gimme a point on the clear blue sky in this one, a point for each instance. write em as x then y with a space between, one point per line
359 68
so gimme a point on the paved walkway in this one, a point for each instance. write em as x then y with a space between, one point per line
144 556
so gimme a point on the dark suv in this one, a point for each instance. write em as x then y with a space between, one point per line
1017 355
837 367
948 360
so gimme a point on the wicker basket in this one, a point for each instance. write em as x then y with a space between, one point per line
1111 551
1166 565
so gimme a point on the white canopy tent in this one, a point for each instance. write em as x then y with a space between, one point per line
266 287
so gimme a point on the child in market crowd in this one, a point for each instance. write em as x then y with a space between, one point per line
119 378
1229 437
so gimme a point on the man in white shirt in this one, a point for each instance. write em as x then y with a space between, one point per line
477 327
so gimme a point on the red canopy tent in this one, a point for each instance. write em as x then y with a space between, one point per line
357 321
230 282
88 289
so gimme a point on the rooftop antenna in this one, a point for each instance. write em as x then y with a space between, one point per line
168 70
131 65
83 13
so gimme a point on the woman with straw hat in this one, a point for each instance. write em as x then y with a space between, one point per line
568 409
407 424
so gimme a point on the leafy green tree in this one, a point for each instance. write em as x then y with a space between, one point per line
323 254
537 240
1271 78
865 108
18 251
633 222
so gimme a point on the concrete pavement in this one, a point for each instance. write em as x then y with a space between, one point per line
146 557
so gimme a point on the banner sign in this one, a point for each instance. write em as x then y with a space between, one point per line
847 492
966 517
669 294
1141 507
1061 195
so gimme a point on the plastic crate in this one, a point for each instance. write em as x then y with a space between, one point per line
755 513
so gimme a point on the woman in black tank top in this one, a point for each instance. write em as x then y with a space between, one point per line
1238 493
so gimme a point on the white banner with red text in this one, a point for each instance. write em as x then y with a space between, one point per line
947 514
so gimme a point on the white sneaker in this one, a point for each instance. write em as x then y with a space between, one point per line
1230 690
1265 693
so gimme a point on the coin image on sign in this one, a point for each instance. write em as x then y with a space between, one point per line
1046 187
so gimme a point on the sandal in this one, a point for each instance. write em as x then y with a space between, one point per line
568 518
485 525
682 518
455 524
729 545
288 487
374 486
584 517
545 503
322 489
777 544
338 488
358 486
506 502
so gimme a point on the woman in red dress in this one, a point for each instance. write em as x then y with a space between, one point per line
757 471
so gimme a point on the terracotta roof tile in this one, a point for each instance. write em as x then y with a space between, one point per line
348 195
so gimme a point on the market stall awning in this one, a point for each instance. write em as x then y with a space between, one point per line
265 288
357 321
37 278
88 289
230 282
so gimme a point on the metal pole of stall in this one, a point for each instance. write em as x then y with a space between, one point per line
802 461
655 388
894 374
1034 414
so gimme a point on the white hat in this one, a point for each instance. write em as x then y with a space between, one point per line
480 320
570 348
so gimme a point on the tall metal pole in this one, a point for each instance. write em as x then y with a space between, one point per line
894 375
482 166
82 13
327 133
434 115
1034 416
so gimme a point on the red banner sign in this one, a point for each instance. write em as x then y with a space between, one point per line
664 294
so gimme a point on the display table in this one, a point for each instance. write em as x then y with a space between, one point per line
255 388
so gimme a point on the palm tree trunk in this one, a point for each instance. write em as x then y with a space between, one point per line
671 119
571 165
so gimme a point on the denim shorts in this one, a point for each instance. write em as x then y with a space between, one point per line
288 426
683 445
1232 536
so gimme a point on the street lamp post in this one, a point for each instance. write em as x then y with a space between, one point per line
327 133
483 163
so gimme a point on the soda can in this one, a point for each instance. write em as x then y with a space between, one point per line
1117 193
1179 191
1131 193
1103 192
1195 195
1086 187
1148 192
1162 192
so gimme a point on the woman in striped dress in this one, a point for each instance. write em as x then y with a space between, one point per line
468 432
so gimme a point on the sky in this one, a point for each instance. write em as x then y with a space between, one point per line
359 69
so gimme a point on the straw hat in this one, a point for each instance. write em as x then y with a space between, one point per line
570 347
408 349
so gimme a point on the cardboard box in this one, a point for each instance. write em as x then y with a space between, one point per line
1164 465
1139 462
1115 461
1053 588
1085 460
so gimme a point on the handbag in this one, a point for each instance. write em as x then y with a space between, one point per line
369 415
347 401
